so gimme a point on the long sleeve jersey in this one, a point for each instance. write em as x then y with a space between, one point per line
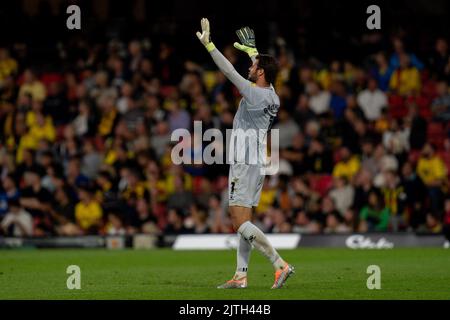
256 113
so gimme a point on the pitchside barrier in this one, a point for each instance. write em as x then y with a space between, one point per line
229 241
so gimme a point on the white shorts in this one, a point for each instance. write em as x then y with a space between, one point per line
245 183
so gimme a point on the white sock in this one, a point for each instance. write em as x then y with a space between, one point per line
256 237
244 249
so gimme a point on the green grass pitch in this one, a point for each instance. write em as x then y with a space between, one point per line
167 274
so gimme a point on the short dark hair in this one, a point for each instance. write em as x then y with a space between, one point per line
270 66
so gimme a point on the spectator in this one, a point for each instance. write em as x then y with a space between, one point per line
368 160
73 173
319 100
396 139
363 187
161 138
55 102
328 206
395 200
36 200
135 55
338 101
431 169
280 223
372 100
433 225
8 65
342 194
399 52
347 131
329 132
175 223
114 225
9 191
53 178
180 199
418 129
199 218
42 129
315 214
32 86
439 59
17 222
217 217
416 193
91 161
374 216
287 127
178 118
303 224
295 154
63 214
88 212
383 71
441 104
348 166
384 161
405 79
144 221
108 117
126 97
334 224
318 158
84 123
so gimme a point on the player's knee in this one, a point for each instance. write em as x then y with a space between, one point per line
236 223
237 219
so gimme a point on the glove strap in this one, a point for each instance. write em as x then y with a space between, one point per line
252 52
210 47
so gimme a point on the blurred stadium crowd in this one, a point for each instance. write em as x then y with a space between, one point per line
86 150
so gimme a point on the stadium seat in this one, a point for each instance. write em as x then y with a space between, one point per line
321 183
436 134
413 156
397 108
51 77
423 102
429 89
445 156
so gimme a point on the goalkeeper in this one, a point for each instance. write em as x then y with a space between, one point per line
257 109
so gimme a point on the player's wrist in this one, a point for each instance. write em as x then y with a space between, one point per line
252 52
210 46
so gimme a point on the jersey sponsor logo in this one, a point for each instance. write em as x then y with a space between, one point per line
271 109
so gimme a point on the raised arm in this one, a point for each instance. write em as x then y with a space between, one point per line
244 86
228 70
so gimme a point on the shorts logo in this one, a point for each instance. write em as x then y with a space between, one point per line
233 187
251 238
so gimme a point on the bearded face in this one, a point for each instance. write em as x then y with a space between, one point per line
253 72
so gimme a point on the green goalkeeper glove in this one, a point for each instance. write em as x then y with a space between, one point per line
205 35
248 44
